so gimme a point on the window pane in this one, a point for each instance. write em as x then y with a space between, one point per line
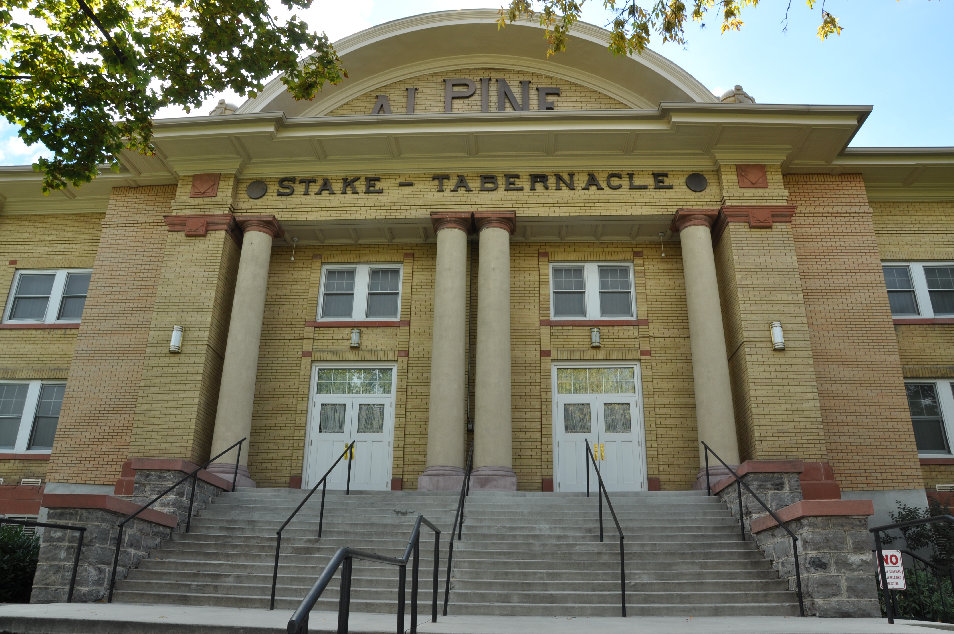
618 418
384 280
940 283
12 397
615 304
902 303
72 307
337 305
569 305
29 308
77 284
339 281
383 305
614 278
897 278
331 419
47 415
576 418
370 418
568 279
929 434
35 284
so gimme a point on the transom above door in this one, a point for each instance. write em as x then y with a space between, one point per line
351 403
601 404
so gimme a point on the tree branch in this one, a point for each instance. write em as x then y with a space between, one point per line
99 25
15 77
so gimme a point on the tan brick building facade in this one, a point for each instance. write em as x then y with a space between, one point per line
632 219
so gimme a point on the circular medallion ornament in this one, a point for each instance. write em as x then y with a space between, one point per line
257 189
695 182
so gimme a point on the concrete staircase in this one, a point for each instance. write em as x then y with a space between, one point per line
532 554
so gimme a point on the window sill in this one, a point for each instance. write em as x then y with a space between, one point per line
64 326
594 322
922 320
357 324
24 456
936 461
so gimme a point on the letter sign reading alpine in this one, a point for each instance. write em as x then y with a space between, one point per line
893 569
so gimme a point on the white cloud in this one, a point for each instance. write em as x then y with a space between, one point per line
13 150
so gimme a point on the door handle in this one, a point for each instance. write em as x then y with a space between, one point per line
599 452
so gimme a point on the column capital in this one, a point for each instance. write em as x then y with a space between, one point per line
263 224
451 220
506 220
693 218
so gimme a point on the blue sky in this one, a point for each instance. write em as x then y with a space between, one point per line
895 55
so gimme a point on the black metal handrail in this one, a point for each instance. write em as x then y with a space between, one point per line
741 483
603 493
458 528
876 531
298 624
194 476
79 544
323 483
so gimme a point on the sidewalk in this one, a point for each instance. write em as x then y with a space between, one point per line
120 618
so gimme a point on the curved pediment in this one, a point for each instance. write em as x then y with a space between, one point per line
490 70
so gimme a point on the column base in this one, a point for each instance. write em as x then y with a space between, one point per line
716 474
226 471
493 479
437 478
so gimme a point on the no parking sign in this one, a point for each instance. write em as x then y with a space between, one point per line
893 570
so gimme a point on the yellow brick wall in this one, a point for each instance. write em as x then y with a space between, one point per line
860 385
40 242
175 412
282 392
430 94
280 415
93 435
775 396
913 231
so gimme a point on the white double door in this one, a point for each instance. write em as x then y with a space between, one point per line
599 404
351 404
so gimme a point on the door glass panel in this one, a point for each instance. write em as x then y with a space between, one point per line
370 418
576 418
332 418
618 418
596 380
354 381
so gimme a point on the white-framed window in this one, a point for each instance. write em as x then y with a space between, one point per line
29 412
932 414
356 292
47 296
592 290
920 289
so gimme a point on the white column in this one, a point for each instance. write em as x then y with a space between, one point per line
447 418
715 418
233 416
493 453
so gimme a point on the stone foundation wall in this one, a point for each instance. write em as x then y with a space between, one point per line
149 484
837 569
834 545
58 547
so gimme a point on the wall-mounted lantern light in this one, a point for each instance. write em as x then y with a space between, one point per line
175 343
355 338
595 338
778 341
